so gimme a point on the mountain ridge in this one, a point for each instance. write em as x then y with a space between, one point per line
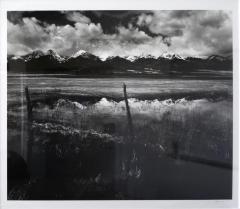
85 63
82 53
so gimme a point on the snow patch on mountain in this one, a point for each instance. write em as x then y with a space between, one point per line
34 55
81 53
133 58
170 56
16 58
38 53
55 55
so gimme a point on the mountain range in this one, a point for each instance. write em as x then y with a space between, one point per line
85 63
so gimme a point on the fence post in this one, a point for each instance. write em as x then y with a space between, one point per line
29 125
130 124
132 158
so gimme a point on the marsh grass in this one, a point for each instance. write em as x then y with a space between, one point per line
83 151
200 127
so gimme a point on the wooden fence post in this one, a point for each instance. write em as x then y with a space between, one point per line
132 167
130 124
29 125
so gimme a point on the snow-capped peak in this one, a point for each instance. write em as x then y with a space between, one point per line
103 58
108 58
16 58
38 53
131 58
80 53
34 55
171 56
55 55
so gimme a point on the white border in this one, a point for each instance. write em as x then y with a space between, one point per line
6 5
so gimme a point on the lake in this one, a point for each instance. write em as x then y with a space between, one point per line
112 86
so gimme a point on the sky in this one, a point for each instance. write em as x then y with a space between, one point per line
121 33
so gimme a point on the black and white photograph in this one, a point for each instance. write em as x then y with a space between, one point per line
120 105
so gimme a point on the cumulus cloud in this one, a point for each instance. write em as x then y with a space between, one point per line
26 36
191 33
31 35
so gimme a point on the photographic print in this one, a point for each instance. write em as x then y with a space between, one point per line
119 105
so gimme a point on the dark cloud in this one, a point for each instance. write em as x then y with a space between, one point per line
181 13
15 16
110 20
49 17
